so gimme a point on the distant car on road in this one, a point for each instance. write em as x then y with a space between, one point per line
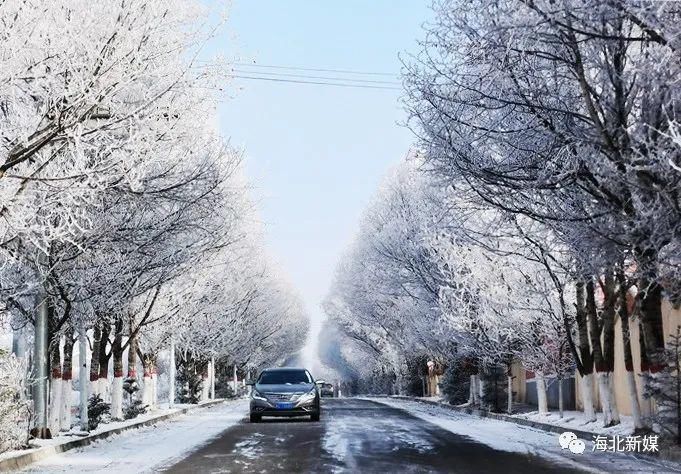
325 388
284 391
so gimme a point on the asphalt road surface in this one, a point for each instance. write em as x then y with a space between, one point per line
354 436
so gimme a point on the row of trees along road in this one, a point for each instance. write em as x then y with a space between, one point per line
125 221
542 205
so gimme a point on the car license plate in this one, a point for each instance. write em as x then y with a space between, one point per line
284 406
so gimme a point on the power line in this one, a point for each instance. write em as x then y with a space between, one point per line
306 76
321 83
295 68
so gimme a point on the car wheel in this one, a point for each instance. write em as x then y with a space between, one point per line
314 417
255 418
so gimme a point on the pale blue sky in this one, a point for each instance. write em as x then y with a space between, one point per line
317 153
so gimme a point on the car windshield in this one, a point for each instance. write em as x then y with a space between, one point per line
282 377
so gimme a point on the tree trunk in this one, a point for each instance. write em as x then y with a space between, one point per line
171 376
40 369
646 403
481 392
132 357
83 377
630 377
154 382
586 357
67 376
94 360
542 399
147 389
212 378
587 387
608 316
104 357
117 386
509 395
599 362
56 389
204 384
650 306
235 382
561 405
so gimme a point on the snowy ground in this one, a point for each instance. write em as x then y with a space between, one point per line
576 420
148 449
509 437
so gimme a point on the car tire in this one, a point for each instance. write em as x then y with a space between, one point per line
255 418
314 417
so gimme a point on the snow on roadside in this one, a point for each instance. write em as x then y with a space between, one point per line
576 420
506 436
76 433
148 449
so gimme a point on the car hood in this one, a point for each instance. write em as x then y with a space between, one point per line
284 388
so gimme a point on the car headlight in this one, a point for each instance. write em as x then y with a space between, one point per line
308 396
257 395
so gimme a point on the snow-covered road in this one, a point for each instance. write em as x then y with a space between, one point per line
357 436
354 435
148 449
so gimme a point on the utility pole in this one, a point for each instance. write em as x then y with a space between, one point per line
83 375
40 368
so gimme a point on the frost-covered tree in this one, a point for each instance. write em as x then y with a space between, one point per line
15 413
564 114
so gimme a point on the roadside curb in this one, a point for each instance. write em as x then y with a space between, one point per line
21 459
585 435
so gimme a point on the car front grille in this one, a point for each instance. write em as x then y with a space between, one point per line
282 397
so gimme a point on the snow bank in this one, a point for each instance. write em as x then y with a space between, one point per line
577 421
148 449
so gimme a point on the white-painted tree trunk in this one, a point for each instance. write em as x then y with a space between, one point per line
476 390
103 389
632 392
65 420
40 365
614 410
587 387
54 418
608 401
399 383
561 403
117 399
471 391
204 388
542 398
605 398
154 389
211 375
481 391
147 389
83 377
93 387
171 375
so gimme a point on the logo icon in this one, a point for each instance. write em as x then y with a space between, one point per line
568 440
